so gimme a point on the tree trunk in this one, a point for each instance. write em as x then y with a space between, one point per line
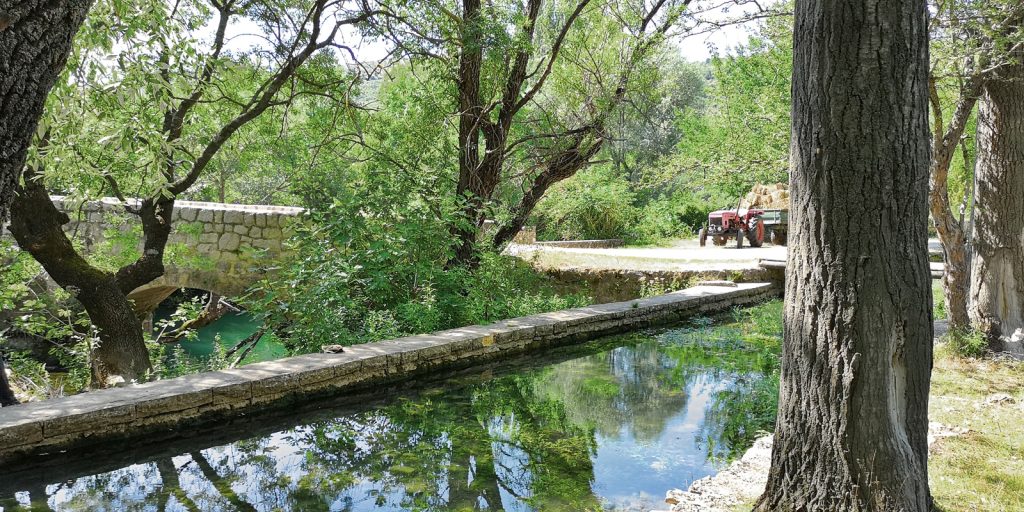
470 116
997 265
852 427
35 40
6 393
953 237
37 225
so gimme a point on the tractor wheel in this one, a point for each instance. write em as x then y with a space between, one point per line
778 237
755 232
739 239
703 236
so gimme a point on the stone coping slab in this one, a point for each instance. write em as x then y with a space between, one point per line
135 410
115 204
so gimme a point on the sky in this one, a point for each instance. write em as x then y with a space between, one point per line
695 48
702 47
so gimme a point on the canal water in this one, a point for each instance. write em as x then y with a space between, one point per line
609 425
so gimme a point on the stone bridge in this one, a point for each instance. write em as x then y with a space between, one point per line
222 248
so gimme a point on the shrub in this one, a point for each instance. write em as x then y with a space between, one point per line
679 215
357 281
595 204
967 343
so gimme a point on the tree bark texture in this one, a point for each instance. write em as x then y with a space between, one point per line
852 426
35 40
996 305
37 225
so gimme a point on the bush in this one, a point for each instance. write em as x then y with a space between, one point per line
967 343
357 281
679 215
595 204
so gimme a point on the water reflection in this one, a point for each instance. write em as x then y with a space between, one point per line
612 428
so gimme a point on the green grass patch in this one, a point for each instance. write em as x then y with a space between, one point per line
982 470
938 300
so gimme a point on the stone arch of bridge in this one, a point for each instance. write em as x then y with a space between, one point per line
147 297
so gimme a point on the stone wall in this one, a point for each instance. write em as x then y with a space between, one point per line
611 285
213 246
221 232
147 412
609 243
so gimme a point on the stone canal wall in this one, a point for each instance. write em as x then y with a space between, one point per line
608 243
611 285
164 409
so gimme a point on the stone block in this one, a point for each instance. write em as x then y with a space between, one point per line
272 233
94 420
261 220
17 435
177 396
255 232
232 217
209 238
298 382
229 242
204 216
240 229
187 214
218 216
249 219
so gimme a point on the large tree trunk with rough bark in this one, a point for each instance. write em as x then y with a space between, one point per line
37 225
35 40
851 433
997 264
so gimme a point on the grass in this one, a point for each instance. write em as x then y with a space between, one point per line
982 470
938 300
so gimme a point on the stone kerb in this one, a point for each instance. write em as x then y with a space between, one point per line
609 243
151 408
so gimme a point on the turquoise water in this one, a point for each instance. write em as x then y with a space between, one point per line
228 330
609 425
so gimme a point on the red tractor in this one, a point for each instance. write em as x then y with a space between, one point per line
739 223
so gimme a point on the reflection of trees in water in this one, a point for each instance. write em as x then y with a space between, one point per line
744 359
518 442
619 389
737 414
490 446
